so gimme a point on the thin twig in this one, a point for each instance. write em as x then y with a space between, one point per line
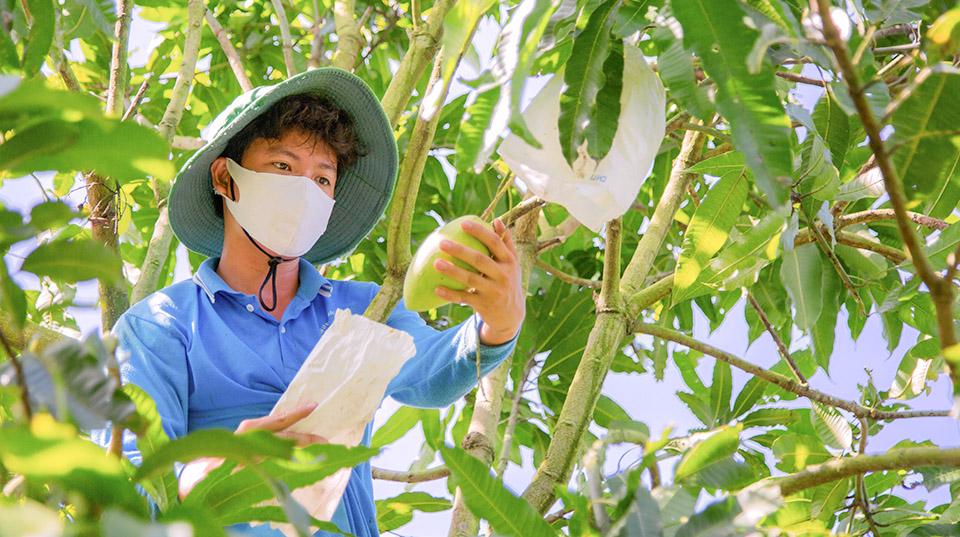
794 77
781 347
511 426
401 476
569 278
501 190
522 208
778 379
286 38
233 57
135 103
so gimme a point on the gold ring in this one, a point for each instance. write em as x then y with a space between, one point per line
472 290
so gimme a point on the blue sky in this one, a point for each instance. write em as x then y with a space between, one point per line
644 398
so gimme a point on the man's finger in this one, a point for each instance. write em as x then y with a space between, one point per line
489 238
276 423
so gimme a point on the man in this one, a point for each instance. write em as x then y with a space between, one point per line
296 174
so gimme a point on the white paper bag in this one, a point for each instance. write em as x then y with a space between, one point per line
593 192
347 373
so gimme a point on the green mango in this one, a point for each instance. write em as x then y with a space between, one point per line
422 278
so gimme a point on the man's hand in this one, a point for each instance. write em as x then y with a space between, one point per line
498 296
198 469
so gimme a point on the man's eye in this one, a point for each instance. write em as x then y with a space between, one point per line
281 166
323 181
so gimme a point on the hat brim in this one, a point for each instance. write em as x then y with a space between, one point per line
362 190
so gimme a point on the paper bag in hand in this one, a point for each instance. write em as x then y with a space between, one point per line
347 375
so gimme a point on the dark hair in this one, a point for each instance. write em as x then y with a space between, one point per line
307 112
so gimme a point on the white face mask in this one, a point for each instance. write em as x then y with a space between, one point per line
285 213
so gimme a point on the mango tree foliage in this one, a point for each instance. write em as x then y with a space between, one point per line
810 172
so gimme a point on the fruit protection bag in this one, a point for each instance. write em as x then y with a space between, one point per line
593 192
347 373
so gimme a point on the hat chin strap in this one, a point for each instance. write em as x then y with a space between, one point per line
272 262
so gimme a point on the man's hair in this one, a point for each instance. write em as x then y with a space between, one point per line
312 114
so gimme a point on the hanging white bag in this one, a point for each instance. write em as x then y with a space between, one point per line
346 373
593 192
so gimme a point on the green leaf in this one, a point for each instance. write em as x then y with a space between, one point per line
51 214
584 78
40 37
795 452
823 333
397 511
800 273
487 498
150 438
751 393
720 392
720 165
601 130
73 261
769 417
747 252
832 427
52 453
473 129
228 493
675 65
13 301
243 447
925 141
397 425
708 230
642 519
717 446
919 365
608 412
714 521
760 128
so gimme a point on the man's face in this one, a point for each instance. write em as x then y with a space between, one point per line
295 153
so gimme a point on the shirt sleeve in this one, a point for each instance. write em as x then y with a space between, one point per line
444 368
154 358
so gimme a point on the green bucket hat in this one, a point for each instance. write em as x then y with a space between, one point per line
362 190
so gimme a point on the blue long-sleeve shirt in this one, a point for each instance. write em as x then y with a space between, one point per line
211 357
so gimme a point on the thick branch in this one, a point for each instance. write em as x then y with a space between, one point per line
522 208
941 291
424 44
778 379
349 40
188 65
480 441
117 89
286 38
895 459
577 412
233 57
649 245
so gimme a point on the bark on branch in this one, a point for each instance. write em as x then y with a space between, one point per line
401 476
894 459
349 40
286 39
233 57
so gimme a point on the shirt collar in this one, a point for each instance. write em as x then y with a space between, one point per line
311 281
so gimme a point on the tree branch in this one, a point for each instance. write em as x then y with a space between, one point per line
188 65
941 291
349 40
895 459
522 208
117 88
781 347
569 278
233 58
285 37
649 245
431 474
424 44
778 379
875 215
511 426
21 378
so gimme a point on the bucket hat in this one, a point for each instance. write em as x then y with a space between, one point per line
362 190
